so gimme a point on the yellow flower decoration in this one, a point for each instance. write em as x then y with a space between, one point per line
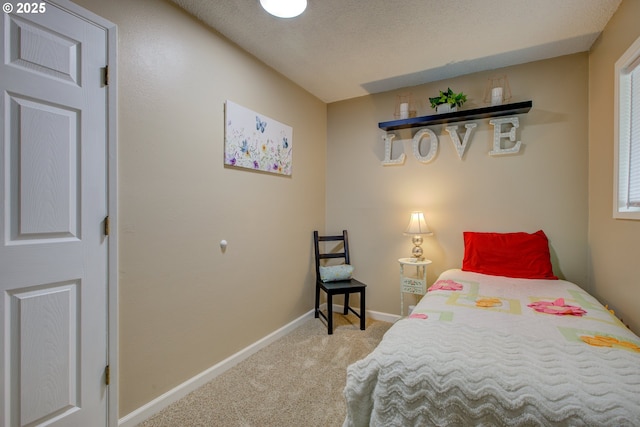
602 341
488 302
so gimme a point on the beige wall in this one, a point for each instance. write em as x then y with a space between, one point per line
542 187
614 244
185 305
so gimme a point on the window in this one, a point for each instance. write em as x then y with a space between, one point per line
627 135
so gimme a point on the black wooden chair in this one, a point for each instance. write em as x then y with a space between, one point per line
339 287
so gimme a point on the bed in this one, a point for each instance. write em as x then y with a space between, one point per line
492 350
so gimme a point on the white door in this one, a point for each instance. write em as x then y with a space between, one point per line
53 248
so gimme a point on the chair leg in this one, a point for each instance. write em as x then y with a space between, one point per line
317 301
346 303
362 310
330 312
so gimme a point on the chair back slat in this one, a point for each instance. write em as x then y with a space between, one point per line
330 238
332 255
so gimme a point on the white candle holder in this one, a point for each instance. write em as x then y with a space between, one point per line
405 107
497 91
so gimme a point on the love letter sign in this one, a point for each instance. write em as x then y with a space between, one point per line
425 133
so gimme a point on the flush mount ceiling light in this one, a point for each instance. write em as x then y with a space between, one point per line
284 8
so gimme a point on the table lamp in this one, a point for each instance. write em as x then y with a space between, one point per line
417 228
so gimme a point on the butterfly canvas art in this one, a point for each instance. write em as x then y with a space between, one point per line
255 141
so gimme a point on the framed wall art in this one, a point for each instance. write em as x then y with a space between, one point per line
255 141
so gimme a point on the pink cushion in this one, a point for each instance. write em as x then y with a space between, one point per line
521 255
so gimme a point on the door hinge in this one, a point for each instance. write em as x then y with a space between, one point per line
106 225
107 375
105 72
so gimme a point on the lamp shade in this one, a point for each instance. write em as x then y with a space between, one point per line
284 8
417 225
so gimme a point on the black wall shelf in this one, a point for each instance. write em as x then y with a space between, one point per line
459 116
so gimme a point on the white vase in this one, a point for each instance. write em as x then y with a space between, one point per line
446 108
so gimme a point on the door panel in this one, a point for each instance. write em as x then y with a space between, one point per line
43 174
53 190
40 49
46 370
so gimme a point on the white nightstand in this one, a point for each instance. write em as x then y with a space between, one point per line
413 281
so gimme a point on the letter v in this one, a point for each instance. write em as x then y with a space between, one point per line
460 148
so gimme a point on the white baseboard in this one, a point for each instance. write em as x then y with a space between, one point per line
384 317
139 415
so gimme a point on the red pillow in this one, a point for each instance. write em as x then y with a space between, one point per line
521 255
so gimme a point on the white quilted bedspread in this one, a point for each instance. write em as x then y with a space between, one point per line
501 366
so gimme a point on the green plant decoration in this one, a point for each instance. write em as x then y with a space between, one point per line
448 97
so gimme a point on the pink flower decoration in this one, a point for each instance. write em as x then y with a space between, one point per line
557 307
418 316
446 285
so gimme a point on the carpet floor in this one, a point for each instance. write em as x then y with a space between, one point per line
295 381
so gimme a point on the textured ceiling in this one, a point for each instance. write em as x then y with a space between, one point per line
340 49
